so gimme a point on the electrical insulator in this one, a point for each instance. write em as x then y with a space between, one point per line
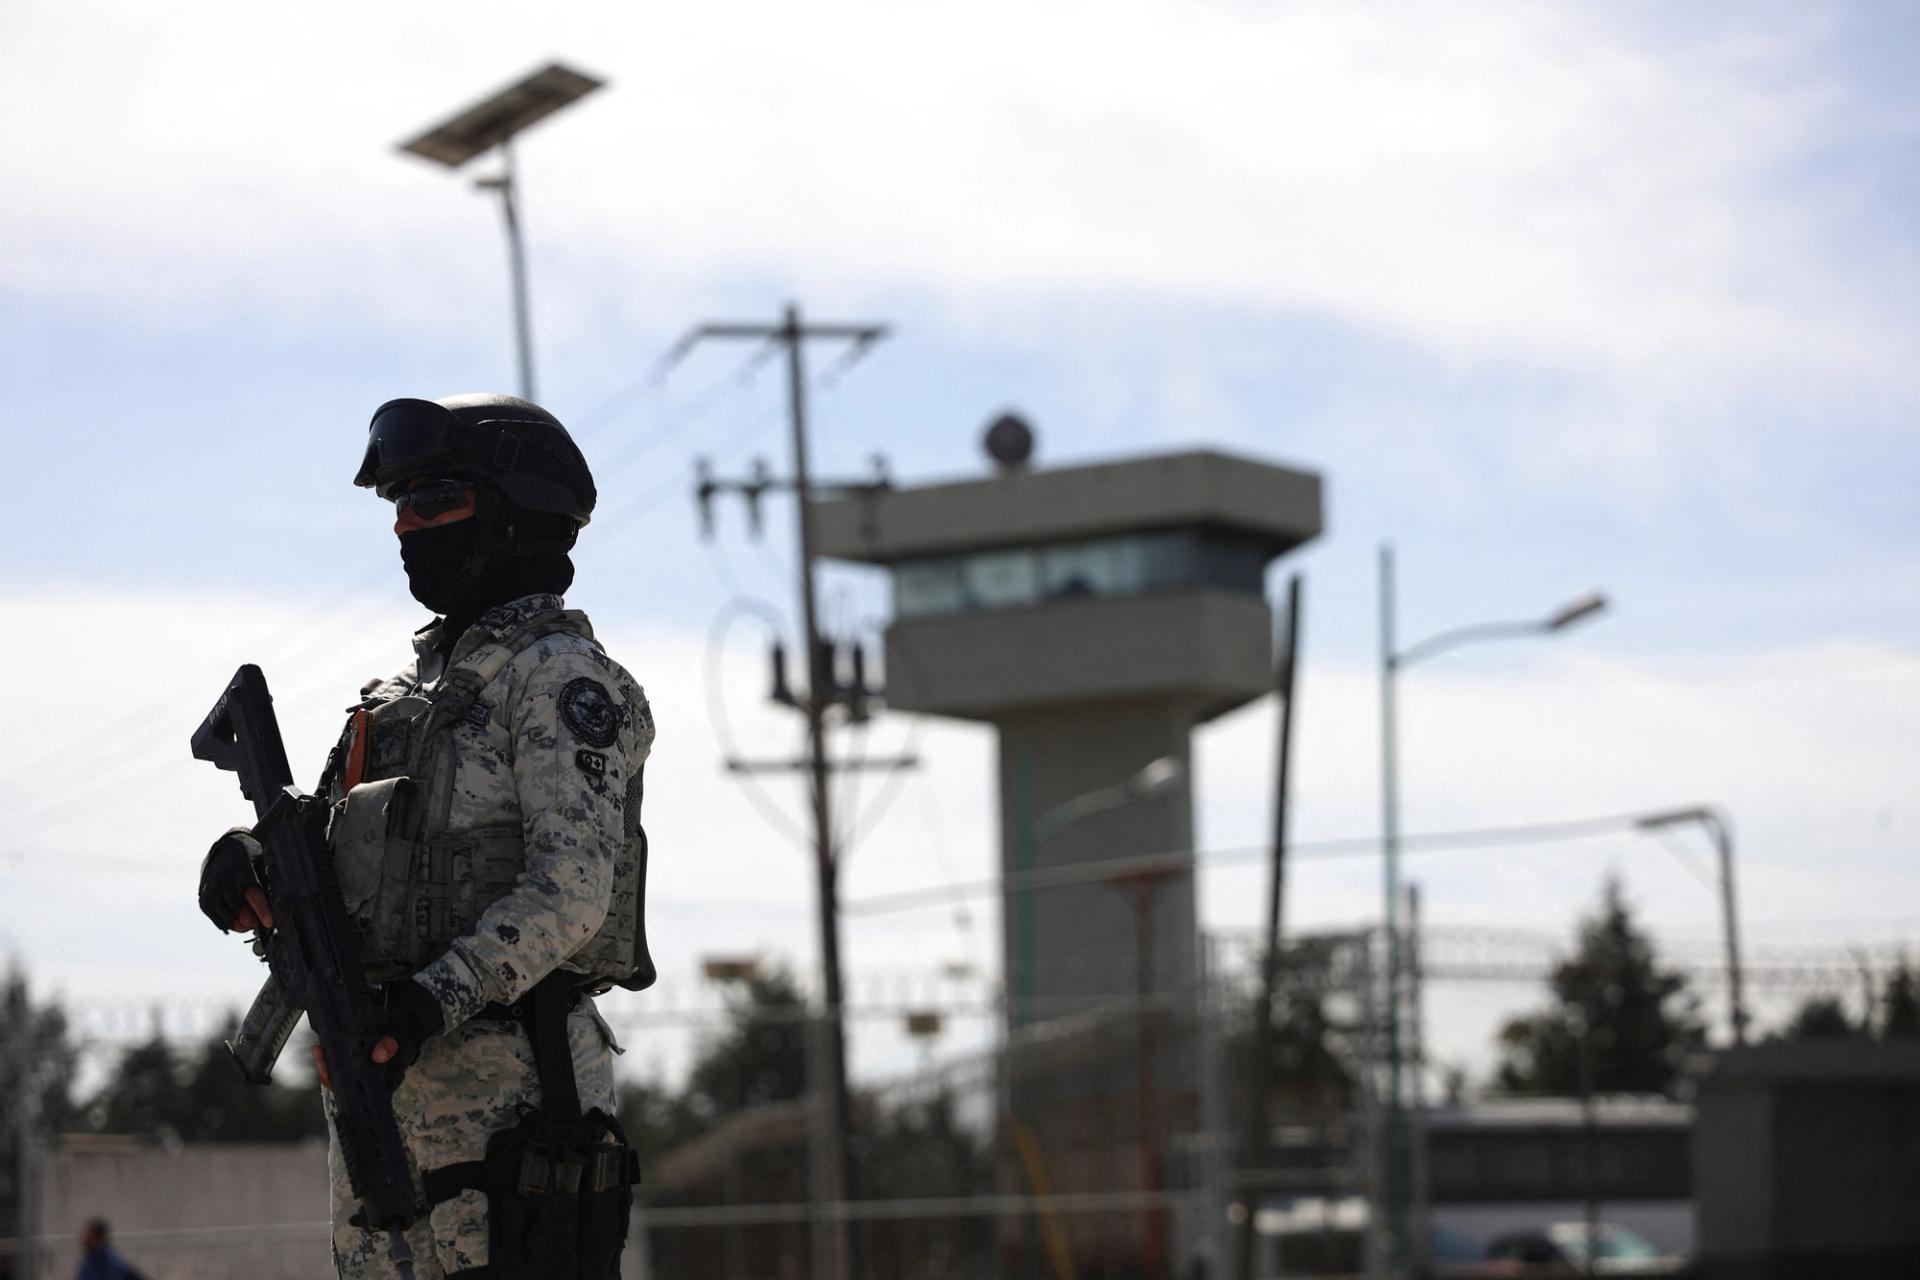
704 492
858 693
762 481
782 691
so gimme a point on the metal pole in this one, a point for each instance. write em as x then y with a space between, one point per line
27 1228
833 1082
1154 1245
1254 1139
1215 1235
1736 995
1589 1161
1020 930
1420 1169
1393 1180
1373 1146
517 261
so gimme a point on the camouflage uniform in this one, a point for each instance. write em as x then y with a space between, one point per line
550 745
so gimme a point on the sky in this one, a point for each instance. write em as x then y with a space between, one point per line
1555 297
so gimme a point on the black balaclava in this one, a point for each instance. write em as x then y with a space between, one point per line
434 557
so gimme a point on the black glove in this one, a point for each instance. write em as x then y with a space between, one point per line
411 1017
225 876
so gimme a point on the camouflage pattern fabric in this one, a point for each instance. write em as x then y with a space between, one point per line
468 1084
547 752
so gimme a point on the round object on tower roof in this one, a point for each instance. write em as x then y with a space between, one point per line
1009 442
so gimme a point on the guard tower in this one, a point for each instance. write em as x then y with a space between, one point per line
1094 615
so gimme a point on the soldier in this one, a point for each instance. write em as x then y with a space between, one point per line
486 835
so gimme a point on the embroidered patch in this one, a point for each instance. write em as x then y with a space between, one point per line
590 712
477 715
591 763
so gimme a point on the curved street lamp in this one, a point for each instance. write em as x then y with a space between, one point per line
1392 659
1721 832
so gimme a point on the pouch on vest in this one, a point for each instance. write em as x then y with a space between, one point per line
375 837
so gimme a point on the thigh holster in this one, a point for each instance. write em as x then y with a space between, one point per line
559 1184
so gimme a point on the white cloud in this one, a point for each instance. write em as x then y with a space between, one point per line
1504 181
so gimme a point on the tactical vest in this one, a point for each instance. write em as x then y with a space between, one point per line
411 884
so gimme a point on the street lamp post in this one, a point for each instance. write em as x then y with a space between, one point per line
1721 830
493 122
1397 1192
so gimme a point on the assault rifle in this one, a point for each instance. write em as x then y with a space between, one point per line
312 956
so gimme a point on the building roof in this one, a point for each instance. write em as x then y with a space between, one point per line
1840 1060
1610 1110
1276 505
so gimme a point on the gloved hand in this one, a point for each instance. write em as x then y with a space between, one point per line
229 894
398 1029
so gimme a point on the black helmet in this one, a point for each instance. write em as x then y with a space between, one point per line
514 444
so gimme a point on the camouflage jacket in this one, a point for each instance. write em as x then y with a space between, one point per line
554 744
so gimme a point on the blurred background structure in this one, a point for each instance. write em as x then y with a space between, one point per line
997 938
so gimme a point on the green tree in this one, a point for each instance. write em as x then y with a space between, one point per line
143 1096
1641 1021
1305 1069
1900 1005
656 1118
1820 1018
158 1092
216 1105
53 1060
760 1056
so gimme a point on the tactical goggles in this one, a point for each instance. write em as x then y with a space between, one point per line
415 437
431 499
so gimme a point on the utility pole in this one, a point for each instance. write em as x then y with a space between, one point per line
1392 1206
830 1111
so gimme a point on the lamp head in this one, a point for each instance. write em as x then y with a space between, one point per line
1574 610
1157 778
1672 818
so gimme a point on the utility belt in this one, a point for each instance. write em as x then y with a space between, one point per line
559 1184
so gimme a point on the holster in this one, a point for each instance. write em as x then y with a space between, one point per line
559 1184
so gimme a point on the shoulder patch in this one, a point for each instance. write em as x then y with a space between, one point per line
589 711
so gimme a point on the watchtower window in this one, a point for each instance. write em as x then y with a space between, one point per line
1122 565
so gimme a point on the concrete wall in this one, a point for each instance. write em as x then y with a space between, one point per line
1211 648
238 1212
1074 945
228 1212
1807 1161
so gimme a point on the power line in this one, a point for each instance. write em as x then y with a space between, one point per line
1466 839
